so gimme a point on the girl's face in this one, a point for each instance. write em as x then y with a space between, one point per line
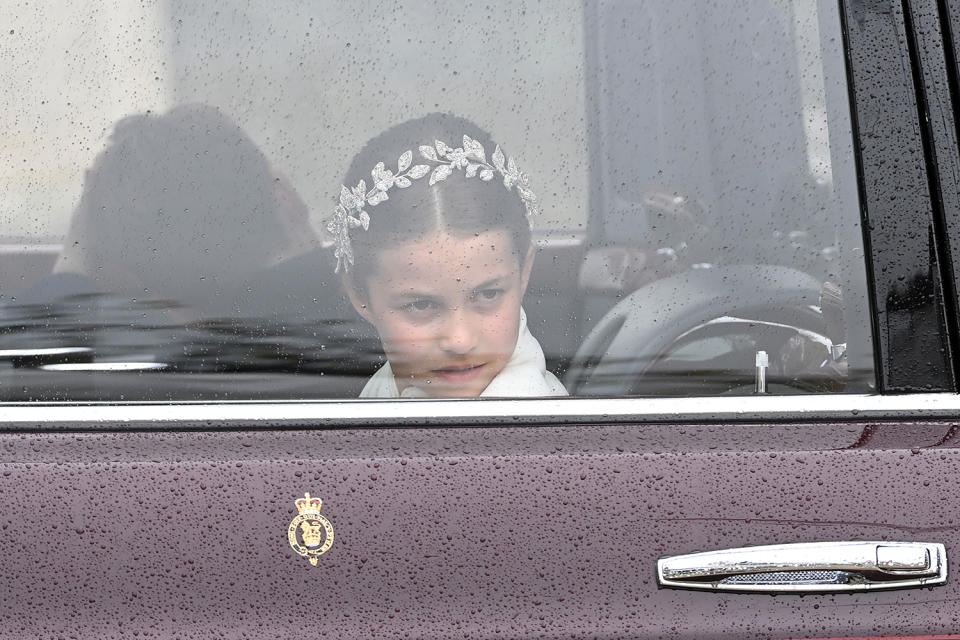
447 308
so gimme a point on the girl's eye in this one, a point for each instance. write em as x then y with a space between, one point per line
419 306
488 295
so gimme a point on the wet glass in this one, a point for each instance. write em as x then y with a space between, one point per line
171 168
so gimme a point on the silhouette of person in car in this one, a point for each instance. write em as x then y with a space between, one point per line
188 252
180 207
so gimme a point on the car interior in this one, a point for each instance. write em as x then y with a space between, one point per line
697 250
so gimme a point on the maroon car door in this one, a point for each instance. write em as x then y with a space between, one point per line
490 531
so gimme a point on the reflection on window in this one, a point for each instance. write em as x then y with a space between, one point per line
172 172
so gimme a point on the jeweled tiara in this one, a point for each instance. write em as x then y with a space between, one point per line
471 157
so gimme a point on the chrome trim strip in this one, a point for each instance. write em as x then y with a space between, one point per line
553 411
104 366
50 248
50 351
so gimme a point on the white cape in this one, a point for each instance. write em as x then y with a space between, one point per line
525 375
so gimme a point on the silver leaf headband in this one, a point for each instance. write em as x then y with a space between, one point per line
471 157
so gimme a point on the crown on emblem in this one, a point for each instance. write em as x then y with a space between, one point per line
306 504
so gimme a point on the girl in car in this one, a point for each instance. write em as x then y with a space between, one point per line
432 240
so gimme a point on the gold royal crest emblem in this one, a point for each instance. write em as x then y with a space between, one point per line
309 533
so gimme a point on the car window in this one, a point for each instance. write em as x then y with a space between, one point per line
194 195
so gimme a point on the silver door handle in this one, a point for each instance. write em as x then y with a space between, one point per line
809 567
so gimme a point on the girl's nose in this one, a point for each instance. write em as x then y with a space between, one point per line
461 332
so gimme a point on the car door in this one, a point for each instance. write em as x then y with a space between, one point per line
200 467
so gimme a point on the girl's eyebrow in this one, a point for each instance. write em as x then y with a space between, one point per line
492 282
414 295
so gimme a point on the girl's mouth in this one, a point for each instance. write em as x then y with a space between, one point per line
458 375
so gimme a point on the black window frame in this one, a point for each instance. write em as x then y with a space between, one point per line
904 164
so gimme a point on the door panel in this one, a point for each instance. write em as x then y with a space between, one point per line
468 532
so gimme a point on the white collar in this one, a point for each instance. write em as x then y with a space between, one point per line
524 375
